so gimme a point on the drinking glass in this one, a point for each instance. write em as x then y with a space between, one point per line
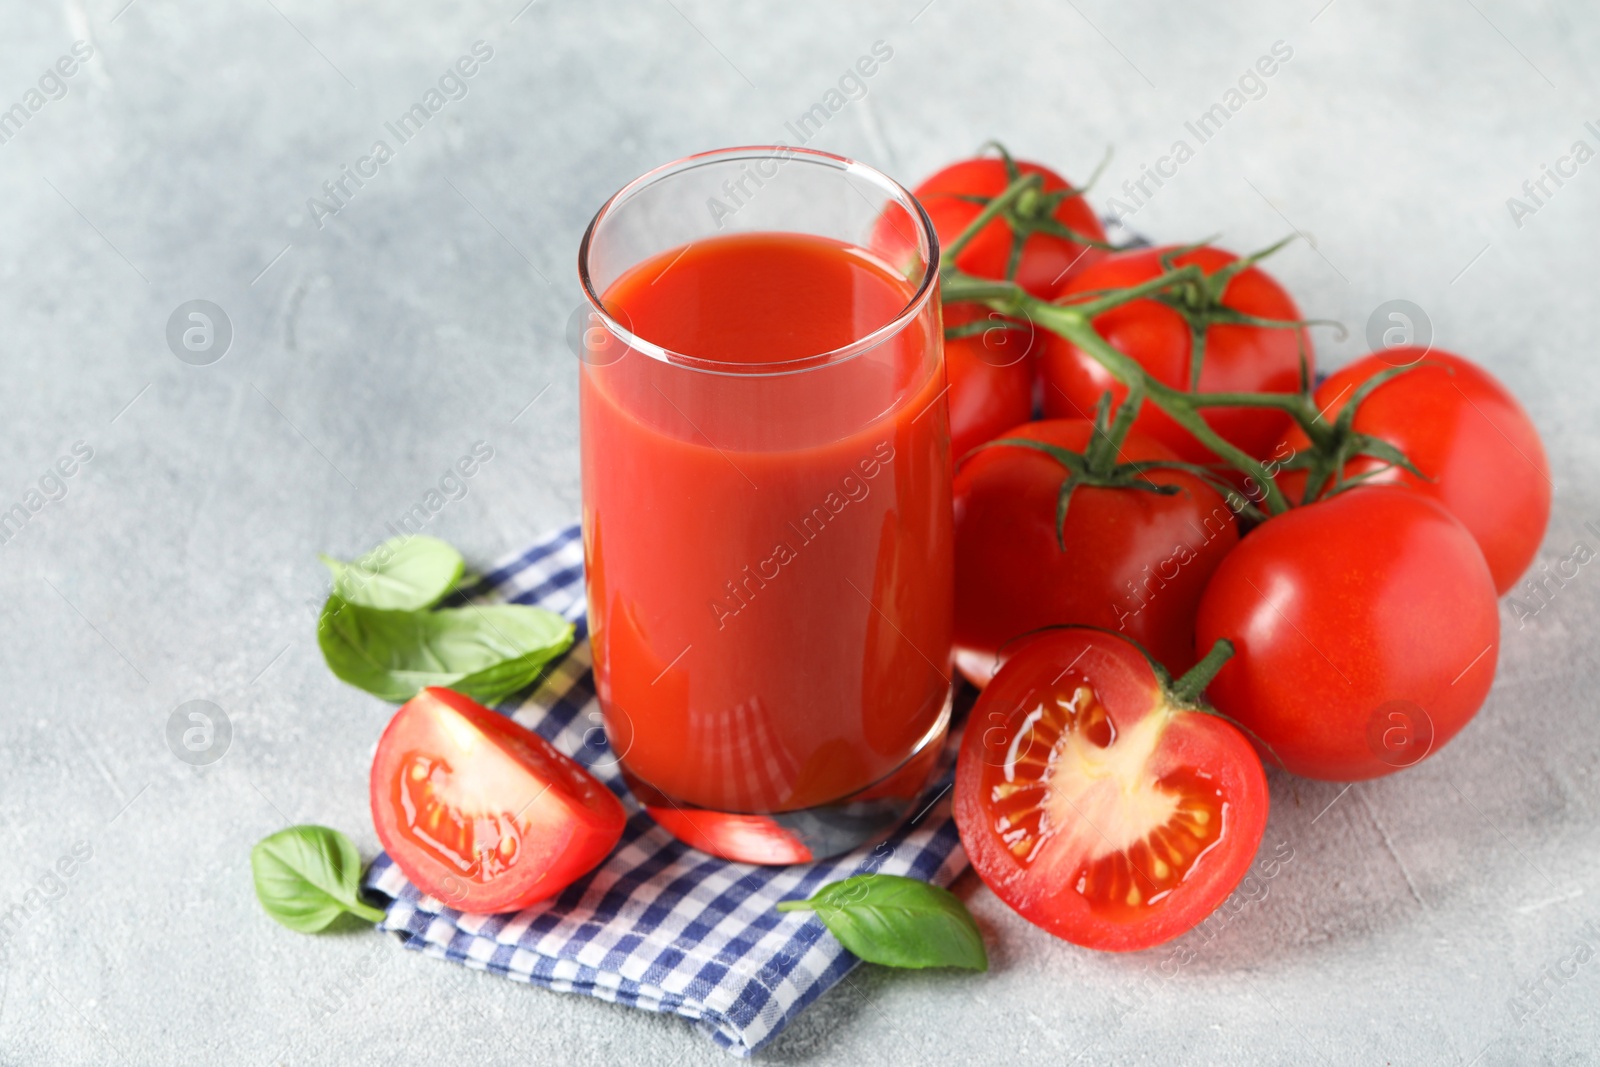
768 543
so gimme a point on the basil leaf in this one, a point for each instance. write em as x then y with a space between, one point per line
487 652
307 876
898 922
402 574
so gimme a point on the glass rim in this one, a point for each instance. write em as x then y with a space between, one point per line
914 305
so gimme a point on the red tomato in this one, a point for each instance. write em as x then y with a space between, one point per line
991 377
1461 428
1366 633
783 839
482 813
1134 561
953 198
1095 804
743 838
1237 358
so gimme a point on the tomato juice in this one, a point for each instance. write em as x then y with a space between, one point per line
767 521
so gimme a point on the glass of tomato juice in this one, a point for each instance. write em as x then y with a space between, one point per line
766 498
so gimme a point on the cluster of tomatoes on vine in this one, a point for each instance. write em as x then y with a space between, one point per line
1198 559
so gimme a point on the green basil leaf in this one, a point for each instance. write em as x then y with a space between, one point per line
402 574
898 922
306 876
487 651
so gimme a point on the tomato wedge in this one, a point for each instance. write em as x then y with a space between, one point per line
1098 799
743 838
481 812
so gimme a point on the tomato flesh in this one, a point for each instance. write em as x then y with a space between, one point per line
439 822
481 813
1119 883
1096 809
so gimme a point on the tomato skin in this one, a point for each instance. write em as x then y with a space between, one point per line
1459 426
561 820
1126 566
755 839
1341 608
991 377
1046 259
1237 358
1044 889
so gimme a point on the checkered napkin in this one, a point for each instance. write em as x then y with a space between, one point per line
658 925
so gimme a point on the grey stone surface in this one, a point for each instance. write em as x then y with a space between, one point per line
427 314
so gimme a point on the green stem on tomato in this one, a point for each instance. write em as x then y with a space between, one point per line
1185 692
1074 322
1160 283
990 212
956 288
1106 444
1178 404
1299 406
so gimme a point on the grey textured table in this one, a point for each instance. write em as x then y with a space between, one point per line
375 343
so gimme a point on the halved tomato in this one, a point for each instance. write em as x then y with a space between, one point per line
482 813
1099 799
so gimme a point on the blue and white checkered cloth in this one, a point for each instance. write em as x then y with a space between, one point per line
658 925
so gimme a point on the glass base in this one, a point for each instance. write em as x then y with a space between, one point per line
808 834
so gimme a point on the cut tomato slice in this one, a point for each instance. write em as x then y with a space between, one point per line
481 813
1100 800
745 838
